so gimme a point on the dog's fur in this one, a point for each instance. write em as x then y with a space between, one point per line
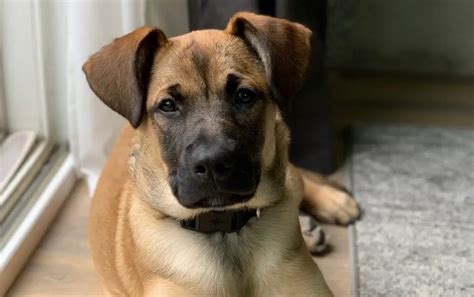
137 243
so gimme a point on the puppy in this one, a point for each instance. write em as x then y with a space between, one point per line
198 197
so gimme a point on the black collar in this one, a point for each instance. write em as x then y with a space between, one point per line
220 221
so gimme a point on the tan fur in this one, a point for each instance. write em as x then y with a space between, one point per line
148 253
327 200
137 244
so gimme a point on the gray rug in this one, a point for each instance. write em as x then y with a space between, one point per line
416 188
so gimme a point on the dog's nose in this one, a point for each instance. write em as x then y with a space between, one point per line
215 172
214 161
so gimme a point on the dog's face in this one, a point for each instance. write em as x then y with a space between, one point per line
204 104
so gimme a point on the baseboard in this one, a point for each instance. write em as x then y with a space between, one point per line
28 233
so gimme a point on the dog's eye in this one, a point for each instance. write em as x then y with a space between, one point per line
245 97
167 105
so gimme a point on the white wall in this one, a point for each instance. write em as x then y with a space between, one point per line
22 73
53 21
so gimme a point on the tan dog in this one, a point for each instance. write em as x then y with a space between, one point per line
207 151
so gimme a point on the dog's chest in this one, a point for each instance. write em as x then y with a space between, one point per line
235 264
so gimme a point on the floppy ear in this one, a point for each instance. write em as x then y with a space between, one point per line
120 72
283 47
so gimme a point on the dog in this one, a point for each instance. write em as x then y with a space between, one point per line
198 197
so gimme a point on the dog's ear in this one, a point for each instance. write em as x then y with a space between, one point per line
120 72
283 46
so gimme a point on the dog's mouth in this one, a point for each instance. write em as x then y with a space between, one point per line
206 195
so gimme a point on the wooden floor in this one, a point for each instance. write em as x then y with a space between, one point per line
62 265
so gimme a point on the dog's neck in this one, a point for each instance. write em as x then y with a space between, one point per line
231 260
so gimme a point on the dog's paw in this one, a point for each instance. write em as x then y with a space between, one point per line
333 205
313 235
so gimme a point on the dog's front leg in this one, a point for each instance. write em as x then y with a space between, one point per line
326 200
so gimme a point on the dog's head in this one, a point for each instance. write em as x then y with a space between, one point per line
205 105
